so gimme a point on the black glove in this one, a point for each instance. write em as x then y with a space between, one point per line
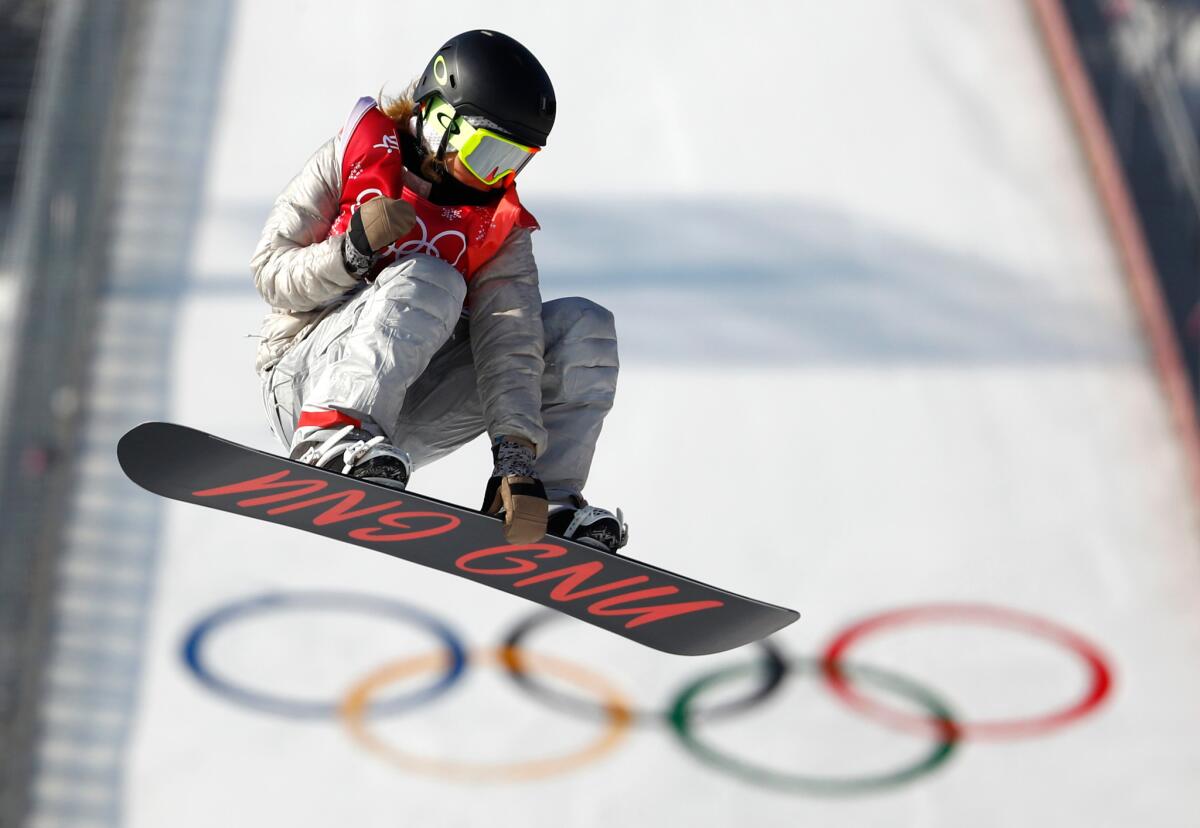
514 489
373 227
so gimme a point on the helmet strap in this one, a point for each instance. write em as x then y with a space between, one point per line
441 150
435 156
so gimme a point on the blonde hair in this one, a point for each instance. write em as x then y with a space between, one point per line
401 108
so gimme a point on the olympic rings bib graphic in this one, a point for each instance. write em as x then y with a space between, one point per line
435 246
409 681
431 246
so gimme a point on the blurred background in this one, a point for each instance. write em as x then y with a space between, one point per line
907 297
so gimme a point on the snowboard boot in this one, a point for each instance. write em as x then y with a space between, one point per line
598 528
353 451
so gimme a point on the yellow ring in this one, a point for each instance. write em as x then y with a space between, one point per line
440 62
354 708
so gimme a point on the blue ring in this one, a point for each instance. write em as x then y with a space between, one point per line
193 644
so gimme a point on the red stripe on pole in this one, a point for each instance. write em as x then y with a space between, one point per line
1123 223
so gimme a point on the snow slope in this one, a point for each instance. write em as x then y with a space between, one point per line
876 353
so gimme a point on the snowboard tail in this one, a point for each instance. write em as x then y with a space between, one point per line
643 603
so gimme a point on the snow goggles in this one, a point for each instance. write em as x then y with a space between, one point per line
489 155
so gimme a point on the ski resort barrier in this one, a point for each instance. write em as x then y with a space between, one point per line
56 255
102 244
1125 225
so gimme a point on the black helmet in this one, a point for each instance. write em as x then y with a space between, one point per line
488 76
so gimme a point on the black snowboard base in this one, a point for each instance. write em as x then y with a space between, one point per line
651 606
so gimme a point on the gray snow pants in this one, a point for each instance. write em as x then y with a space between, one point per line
420 386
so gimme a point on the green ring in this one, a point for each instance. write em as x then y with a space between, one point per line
680 718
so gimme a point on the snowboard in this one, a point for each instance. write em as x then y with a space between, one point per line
643 603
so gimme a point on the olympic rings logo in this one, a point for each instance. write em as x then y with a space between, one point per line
429 246
424 244
578 691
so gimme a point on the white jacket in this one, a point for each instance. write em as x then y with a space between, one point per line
299 272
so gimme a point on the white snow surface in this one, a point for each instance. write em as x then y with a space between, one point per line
876 352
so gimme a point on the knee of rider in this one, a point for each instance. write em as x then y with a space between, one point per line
581 345
574 319
429 281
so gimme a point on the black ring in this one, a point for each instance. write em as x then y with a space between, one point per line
773 668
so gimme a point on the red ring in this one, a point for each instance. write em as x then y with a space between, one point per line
1101 675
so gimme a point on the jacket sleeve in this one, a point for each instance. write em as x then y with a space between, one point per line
295 266
507 340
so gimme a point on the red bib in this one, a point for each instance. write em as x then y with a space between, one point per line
466 237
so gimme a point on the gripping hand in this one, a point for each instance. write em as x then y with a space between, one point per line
515 490
376 225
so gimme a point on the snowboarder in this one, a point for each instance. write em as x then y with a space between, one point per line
406 315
